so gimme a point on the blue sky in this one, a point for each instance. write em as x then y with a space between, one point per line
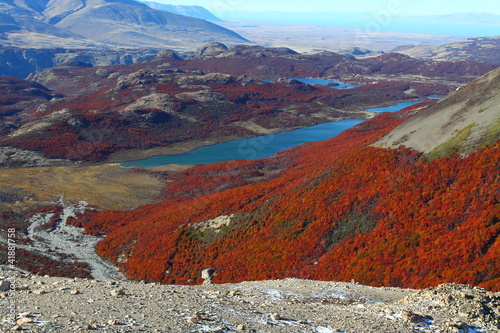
398 7
370 15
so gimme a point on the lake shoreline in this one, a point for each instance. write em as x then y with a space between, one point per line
126 158
244 148
184 147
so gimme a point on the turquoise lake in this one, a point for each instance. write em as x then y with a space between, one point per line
339 85
395 107
258 147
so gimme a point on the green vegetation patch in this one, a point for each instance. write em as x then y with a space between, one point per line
355 223
457 145
492 134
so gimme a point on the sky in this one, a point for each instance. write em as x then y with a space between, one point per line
395 7
369 15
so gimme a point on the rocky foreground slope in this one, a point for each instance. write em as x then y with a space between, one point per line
48 304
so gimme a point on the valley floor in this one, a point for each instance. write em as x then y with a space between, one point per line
49 304
307 38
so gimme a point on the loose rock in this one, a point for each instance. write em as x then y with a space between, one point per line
117 292
4 286
39 292
275 316
195 319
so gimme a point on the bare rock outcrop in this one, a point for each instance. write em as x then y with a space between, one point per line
211 49
471 306
14 157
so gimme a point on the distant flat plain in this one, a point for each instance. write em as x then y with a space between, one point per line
310 38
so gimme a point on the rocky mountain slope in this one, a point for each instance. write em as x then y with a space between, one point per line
290 305
485 49
193 11
461 123
103 23
21 62
271 63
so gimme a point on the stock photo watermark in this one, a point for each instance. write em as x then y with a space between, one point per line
8 285
221 7
376 22
382 18
250 148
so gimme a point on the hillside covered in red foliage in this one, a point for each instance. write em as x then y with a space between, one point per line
333 210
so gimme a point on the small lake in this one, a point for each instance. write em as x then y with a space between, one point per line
258 147
333 84
395 107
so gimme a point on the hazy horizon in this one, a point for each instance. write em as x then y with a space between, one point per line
478 19
394 7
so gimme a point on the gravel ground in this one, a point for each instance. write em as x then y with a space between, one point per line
51 304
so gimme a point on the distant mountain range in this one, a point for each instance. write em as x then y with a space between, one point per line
485 50
193 11
105 24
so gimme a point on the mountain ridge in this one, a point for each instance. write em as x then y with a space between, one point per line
484 49
194 11
117 23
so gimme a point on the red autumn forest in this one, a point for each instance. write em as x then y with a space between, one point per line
333 210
